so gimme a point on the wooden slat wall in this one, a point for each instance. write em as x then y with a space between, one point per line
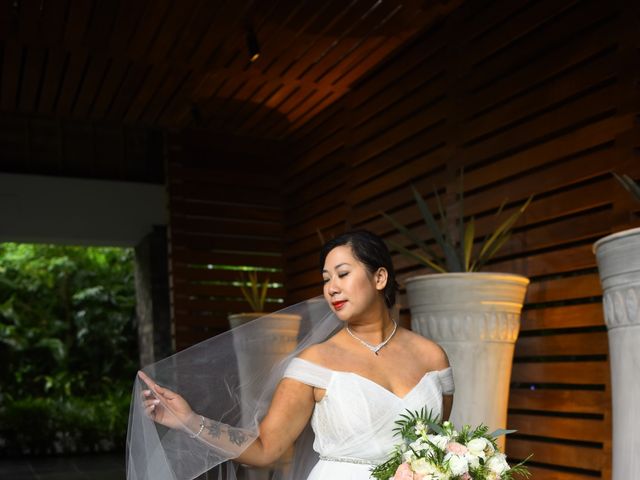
531 98
45 146
226 209
156 62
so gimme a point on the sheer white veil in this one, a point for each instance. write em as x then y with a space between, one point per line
229 378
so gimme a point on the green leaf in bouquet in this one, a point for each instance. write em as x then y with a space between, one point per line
437 456
518 470
500 431
409 420
387 470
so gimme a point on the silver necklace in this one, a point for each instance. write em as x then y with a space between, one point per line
374 348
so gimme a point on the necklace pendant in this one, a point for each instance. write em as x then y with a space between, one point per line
374 348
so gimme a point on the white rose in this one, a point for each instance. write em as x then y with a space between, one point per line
472 460
408 456
458 464
422 467
477 447
439 441
419 445
498 463
421 429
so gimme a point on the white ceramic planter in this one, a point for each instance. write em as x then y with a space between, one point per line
282 331
475 317
618 257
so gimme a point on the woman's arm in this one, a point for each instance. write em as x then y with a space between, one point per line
288 414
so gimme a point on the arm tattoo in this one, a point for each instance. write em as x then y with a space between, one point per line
214 429
237 437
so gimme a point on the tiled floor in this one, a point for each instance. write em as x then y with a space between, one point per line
108 466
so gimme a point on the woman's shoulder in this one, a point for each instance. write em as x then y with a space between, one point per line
317 353
426 349
312 354
321 353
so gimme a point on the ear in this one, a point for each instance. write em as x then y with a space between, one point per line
381 276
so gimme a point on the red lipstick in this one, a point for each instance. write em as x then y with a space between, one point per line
338 305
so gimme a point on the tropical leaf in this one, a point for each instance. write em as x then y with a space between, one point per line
256 293
458 255
453 262
416 256
468 236
497 245
629 184
502 228
441 212
460 221
409 234
263 294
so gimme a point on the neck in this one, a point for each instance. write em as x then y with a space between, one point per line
375 326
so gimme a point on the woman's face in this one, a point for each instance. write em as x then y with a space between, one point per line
349 287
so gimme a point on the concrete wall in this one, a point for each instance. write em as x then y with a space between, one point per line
39 209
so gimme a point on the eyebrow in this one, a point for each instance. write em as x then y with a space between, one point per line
324 270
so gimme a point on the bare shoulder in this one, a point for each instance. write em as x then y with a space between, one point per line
427 349
320 353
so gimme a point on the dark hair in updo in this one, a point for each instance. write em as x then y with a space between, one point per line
369 249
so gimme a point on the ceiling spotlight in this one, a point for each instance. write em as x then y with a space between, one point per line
252 45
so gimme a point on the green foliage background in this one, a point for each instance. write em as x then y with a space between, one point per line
68 347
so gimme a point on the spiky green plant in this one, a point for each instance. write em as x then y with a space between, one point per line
254 292
457 254
629 185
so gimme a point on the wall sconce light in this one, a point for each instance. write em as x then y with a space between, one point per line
252 45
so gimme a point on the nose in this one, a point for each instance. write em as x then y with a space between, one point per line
332 288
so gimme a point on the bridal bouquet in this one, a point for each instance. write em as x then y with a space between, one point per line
436 451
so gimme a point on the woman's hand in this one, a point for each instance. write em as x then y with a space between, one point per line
165 406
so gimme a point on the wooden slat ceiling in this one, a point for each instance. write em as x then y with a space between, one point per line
176 64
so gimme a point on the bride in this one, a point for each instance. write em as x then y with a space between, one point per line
350 386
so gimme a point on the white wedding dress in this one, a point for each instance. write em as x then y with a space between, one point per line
354 421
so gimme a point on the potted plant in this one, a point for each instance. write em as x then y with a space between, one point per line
618 257
255 294
474 316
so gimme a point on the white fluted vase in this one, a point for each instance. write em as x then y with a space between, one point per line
618 257
282 331
475 317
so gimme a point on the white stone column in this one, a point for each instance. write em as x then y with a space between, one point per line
475 317
618 258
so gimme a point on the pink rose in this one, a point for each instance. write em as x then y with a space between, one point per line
456 448
466 476
403 472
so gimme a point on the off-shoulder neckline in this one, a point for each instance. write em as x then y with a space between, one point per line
366 379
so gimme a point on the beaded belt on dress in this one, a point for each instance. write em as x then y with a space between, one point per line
358 461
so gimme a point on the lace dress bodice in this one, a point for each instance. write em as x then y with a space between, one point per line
354 421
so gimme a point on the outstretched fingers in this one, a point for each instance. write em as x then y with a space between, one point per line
165 392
